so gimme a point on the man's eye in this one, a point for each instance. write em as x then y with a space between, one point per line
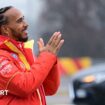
19 21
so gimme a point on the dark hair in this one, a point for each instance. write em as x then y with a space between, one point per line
3 19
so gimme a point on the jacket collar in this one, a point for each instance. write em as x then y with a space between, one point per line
4 39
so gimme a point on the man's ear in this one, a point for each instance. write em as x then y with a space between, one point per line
4 30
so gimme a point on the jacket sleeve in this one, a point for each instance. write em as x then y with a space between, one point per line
24 83
52 82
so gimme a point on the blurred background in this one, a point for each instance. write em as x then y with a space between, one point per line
82 24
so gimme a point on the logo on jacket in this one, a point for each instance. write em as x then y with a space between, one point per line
14 56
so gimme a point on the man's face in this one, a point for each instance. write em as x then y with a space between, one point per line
16 25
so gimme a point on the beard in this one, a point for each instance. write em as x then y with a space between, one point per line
18 36
22 39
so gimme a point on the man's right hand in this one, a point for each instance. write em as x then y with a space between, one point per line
53 45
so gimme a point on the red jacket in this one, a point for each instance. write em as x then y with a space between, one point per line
27 79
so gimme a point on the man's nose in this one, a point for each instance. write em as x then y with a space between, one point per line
25 24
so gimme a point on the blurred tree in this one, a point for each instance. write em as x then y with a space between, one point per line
82 23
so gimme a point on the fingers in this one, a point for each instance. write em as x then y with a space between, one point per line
40 43
55 43
60 45
54 37
58 39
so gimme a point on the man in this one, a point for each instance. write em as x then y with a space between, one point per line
25 79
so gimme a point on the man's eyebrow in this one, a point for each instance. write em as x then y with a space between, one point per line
20 18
